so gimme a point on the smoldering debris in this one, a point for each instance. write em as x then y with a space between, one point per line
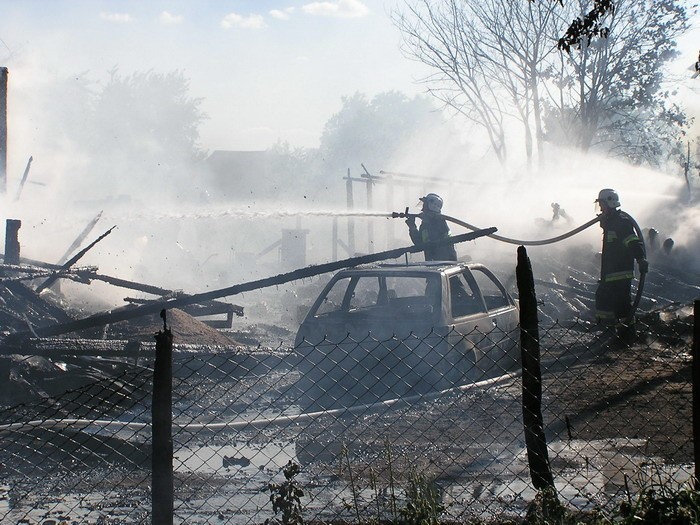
38 319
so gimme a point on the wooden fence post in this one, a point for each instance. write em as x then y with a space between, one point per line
3 129
537 456
696 392
351 221
162 497
12 247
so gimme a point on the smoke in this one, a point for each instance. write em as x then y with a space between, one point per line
175 231
519 199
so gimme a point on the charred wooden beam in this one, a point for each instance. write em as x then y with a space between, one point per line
533 421
131 285
207 308
24 178
122 314
3 129
12 248
73 260
564 288
34 262
33 272
32 297
80 238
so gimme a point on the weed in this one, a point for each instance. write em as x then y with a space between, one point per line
659 502
423 502
546 509
286 496
392 492
344 453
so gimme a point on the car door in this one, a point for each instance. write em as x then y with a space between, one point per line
503 336
483 319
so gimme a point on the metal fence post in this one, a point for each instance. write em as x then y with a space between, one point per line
162 497
538 458
696 392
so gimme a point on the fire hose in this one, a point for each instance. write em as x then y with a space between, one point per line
637 229
406 215
642 275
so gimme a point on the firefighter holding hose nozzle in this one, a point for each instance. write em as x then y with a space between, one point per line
433 227
622 245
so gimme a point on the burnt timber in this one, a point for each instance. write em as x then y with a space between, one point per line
13 340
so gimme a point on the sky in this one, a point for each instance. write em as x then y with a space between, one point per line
265 69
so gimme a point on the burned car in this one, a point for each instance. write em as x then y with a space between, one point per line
389 331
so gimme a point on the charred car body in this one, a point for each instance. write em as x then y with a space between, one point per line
388 331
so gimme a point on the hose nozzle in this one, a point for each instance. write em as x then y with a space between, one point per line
403 214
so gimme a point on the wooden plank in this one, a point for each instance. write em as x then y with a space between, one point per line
48 282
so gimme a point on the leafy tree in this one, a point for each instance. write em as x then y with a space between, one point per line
610 94
372 132
300 165
131 135
144 131
583 29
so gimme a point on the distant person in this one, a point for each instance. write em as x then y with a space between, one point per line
621 247
559 213
668 246
652 241
433 227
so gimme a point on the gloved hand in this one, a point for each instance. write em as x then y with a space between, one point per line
643 265
411 222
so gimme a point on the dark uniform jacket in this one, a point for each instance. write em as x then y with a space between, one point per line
621 246
434 228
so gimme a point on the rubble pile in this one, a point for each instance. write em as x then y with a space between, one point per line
35 367
36 320
567 293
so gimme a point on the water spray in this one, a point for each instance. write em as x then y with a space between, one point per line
244 214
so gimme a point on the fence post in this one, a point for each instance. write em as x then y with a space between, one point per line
696 392
12 247
537 456
162 497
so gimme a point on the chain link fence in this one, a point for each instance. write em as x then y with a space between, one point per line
411 435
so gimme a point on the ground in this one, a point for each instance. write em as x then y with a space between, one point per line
609 410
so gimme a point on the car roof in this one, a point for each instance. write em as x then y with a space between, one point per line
411 267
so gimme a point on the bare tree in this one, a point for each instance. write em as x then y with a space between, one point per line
496 60
486 58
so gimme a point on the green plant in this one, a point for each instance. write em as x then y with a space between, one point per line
423 502
392 492
546 509
659 502
344 453
286 496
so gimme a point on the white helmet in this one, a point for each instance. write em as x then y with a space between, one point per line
609 197
432 202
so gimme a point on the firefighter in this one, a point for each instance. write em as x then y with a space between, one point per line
621 247
433 227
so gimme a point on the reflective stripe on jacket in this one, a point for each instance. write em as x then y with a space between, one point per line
434 228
